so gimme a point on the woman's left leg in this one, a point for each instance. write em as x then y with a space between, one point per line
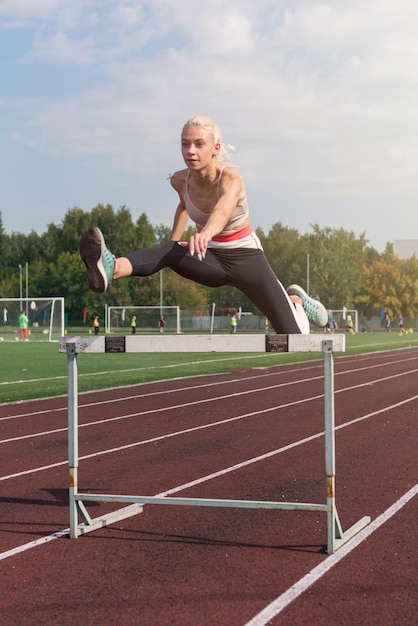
251 273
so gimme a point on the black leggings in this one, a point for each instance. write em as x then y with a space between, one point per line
244 268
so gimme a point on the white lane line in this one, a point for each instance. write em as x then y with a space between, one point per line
34 544
212 425
135 369
161 392
171 407
201 401
169 436
62 533
278 605
212 384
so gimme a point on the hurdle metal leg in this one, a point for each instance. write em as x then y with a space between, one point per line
72 436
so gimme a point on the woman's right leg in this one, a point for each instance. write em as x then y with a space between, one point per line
147 261
102 266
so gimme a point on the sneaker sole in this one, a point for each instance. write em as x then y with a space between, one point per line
91 246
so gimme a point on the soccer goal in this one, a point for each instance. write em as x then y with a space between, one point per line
341 315
119 319
45 318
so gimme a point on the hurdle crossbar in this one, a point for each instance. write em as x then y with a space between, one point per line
73 346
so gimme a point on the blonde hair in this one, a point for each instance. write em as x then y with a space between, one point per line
207 123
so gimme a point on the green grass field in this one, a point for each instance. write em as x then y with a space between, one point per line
31 370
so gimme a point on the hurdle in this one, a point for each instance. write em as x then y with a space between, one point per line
80 519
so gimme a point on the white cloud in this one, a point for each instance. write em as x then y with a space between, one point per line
317 95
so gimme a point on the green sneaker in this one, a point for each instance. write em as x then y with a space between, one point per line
315 311
100 262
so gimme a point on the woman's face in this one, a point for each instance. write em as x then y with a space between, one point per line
198 147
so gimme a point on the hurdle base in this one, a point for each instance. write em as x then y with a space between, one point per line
336 536
342 537
106 519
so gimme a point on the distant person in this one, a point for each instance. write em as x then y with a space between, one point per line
387 323
334 326
96 324
402 330
133 325
223 250
349 325
23 326
161 323
266 325
234 324
328 326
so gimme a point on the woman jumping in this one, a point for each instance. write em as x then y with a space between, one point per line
224 250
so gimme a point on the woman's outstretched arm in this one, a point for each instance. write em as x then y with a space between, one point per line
180 222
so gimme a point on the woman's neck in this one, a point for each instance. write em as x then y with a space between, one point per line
206 176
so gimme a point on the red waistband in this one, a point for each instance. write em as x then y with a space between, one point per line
239 235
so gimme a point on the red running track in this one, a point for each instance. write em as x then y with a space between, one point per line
250 434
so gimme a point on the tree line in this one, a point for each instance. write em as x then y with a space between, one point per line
337 266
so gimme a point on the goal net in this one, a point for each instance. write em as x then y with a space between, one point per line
119 319
341 317
45 317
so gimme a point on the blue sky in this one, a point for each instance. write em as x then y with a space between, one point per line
319 97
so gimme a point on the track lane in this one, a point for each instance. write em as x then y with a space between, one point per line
178 560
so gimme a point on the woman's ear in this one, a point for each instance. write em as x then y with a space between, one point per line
216 150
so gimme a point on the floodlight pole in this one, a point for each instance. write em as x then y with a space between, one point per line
161 292
20 285
307 274
27 285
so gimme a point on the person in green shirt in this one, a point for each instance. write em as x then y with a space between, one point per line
23 326
133 324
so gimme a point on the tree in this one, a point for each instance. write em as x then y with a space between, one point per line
5 252
286 254
186 294
67 235
343 270
230 297
389 283
162 233
145 234
336 258
63 277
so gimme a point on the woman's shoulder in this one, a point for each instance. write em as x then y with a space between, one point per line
230 175
178 179
227 171
231 179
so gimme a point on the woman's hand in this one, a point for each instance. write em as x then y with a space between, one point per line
198 244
